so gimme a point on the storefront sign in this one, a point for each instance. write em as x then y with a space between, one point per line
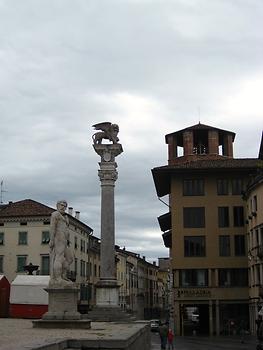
193 293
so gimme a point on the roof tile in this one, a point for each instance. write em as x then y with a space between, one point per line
26 207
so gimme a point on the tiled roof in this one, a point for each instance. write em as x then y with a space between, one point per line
200 126
213 161
26 207
162 175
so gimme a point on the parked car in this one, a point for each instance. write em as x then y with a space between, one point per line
154 324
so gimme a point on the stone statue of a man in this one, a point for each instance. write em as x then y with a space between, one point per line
60 253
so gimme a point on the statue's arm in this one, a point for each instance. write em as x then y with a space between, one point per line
53 227
67 234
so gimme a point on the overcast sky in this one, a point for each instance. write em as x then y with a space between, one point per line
151 66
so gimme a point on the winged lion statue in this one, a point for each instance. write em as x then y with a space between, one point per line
108 131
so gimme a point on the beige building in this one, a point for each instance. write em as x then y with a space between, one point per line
24 238
164 287
138 280
205 230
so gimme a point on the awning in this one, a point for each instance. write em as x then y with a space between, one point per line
167 239
165 221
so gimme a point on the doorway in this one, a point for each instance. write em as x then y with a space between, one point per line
195 319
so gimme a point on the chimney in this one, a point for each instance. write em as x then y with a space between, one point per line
154 263
143 257
77 214
70 210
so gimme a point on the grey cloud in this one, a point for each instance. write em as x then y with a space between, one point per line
146 65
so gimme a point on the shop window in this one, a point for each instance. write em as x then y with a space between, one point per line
238 214
45 237
194 217
2 237
193 187
45 265
224 245
76 266
90 269
261 236
237 186
193 278
223 217
194 246
254 204
82 268
233 277
1 264
21 262
23 223
256 238
22 238
222 187
82 245
87 270
240 249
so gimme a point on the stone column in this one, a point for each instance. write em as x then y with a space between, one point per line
107 288
211 326
217 318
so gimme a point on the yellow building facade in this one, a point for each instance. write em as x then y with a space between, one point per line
206 230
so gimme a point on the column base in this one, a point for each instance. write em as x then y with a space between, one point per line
107 293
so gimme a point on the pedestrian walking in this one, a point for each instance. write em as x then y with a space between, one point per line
260 337
170 338
163 332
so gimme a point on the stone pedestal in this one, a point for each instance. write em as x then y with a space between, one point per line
62 310
62 304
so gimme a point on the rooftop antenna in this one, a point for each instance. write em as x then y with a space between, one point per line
2 191
199 114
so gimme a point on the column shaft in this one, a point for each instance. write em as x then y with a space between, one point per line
107 232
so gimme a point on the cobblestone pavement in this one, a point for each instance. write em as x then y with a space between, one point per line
207 343
16 332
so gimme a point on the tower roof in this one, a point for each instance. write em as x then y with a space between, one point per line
199 127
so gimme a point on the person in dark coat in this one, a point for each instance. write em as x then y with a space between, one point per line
163 332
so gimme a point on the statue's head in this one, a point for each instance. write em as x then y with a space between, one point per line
62 205
115 127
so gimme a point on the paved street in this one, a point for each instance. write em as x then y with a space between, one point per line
209 343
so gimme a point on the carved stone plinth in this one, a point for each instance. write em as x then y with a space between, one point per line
62 310
62 304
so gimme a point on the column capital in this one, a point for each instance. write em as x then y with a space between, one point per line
108 176
108 152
